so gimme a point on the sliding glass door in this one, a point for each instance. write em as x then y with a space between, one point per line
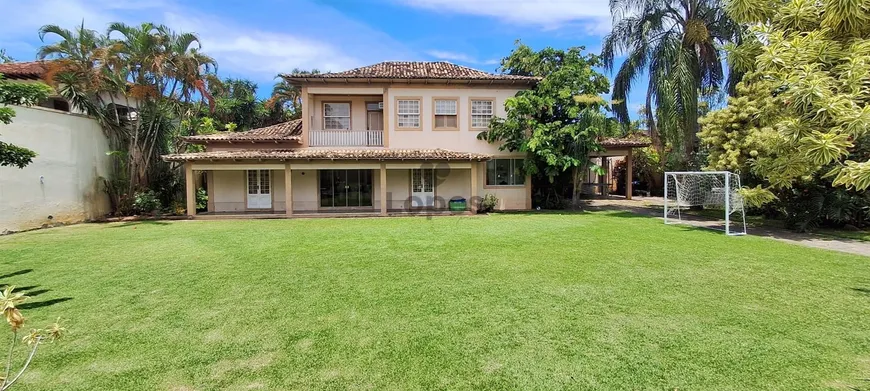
345 188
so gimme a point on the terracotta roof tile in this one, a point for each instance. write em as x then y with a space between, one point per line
414 70
285 131
329 154
23 70
623 142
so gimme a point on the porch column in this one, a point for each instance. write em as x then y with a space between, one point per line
190 187
288 190
383 189
474 196
629 175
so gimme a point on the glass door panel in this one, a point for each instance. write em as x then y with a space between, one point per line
327 192
365 191
340 185
345 188
353 187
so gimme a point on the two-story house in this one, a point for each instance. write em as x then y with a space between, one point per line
387 138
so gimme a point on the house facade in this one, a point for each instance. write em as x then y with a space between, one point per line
393 137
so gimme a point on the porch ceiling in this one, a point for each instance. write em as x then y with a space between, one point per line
329 154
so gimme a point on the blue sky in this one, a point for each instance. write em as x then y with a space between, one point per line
257 39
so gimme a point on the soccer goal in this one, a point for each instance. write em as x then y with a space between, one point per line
717 193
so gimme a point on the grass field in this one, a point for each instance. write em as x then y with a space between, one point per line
579 301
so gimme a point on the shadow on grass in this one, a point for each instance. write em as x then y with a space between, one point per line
44 303
863 291
31 291
142 222
18 273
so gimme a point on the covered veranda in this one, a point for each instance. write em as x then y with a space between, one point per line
615 149
263 183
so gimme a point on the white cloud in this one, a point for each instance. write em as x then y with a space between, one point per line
446 55
260 52
593 15
257 47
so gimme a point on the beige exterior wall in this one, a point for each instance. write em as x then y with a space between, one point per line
229 191
63 180
464 139
357 109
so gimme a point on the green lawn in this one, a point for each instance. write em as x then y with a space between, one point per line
576 301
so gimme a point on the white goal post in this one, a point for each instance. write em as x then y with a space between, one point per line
710 190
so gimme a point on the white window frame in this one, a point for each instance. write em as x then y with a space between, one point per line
408 115
473 114
348 116
436 113
513 177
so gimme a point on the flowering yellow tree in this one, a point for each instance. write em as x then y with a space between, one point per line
802 106
9 301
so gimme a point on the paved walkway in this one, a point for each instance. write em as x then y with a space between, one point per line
652 206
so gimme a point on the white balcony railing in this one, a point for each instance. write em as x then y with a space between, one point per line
346 138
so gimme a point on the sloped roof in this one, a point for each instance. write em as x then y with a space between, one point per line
328 154
626 142
285 131
23 70
420 70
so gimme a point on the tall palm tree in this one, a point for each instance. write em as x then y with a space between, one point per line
80 58
186 65
677 43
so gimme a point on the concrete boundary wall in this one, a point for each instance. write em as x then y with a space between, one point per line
62 184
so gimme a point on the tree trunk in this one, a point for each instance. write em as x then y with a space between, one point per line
576 188
653 129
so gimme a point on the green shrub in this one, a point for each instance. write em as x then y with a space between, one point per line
145 202
201 199
488 204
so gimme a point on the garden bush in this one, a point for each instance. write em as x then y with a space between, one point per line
488 203
146 202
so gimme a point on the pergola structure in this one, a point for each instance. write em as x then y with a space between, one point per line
617 147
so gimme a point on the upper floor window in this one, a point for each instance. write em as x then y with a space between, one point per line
336 116
505 172
55 103
446 113
481 113
408 111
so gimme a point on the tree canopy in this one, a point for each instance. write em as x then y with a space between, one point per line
801 111
677 43
557 123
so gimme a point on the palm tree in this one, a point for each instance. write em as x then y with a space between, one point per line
155 71
80 60
289 96
186 65
677 43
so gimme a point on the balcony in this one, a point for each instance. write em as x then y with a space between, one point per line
346 138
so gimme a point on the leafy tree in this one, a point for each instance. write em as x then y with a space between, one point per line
236 103
802 111
9 302
676 42
12 93
558 123
140 82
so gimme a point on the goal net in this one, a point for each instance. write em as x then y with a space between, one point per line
705 198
